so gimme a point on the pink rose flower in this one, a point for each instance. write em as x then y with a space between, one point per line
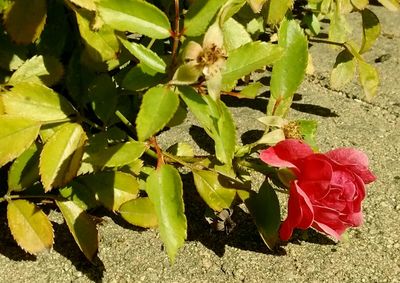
328 189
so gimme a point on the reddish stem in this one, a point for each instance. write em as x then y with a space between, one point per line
160 156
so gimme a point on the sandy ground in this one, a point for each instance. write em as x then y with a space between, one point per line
368 254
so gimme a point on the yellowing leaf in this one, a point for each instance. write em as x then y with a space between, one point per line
164 187
371 30
38 69
392 5
360 4
135 16
369 79
29 226
344 69
16 135
216 195
36 102
82 228
276 10
139 212
61 156
25 19
87 4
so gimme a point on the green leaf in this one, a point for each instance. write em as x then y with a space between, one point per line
235 34
344 69
82 195
392 5
158 107
135 16
25 169
251 90
117 155
339 28
187 74
104 97
82 228
216 195
61 156
102 45
139 212
312 22
371 29
87 4
199 16
112 188
146 56
276 10
289 71
265 210
136 79
29 226
36 102
369 79
181 149
38 69
248 58
164 187
256 5
308 130
17 134
360 4
24 20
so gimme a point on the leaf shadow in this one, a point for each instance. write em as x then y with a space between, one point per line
201 138
244 234
65 245
311 236
314 109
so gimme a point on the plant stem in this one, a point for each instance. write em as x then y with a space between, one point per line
160 156
9 197
176 35
123 119
59 121
326 41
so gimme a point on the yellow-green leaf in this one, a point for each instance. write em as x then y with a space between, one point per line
256 5
38 69
112 188
87 4
392 5
164 187
82 228
16 135
158 107
135 16
139 212
216 195
235 34
360 4
29 226
344 69
61 156
25 19
36 102
276 10
369 79
25 169
371 29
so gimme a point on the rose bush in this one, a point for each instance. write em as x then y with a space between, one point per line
327 189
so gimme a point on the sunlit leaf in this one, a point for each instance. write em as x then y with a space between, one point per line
117 155
256 5
360 4
139 212
371 29
136 79
29 226
87 4
135 16
199 16
235 34
82 228
61 156
25 19
344 69
339 28
158 107
146 56
16 135
181 149
369 79
265 210
36 102
276 10
82 195
111 188
216 195
251 90
164 187
392 5
38 69
25 169
308 130
249 57
289 71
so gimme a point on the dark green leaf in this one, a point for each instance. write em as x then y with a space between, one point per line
164 187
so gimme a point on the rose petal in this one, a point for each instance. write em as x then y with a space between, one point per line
300 212
353 219
286 153
316 168
328 220
354 160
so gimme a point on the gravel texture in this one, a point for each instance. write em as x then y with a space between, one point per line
368 254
